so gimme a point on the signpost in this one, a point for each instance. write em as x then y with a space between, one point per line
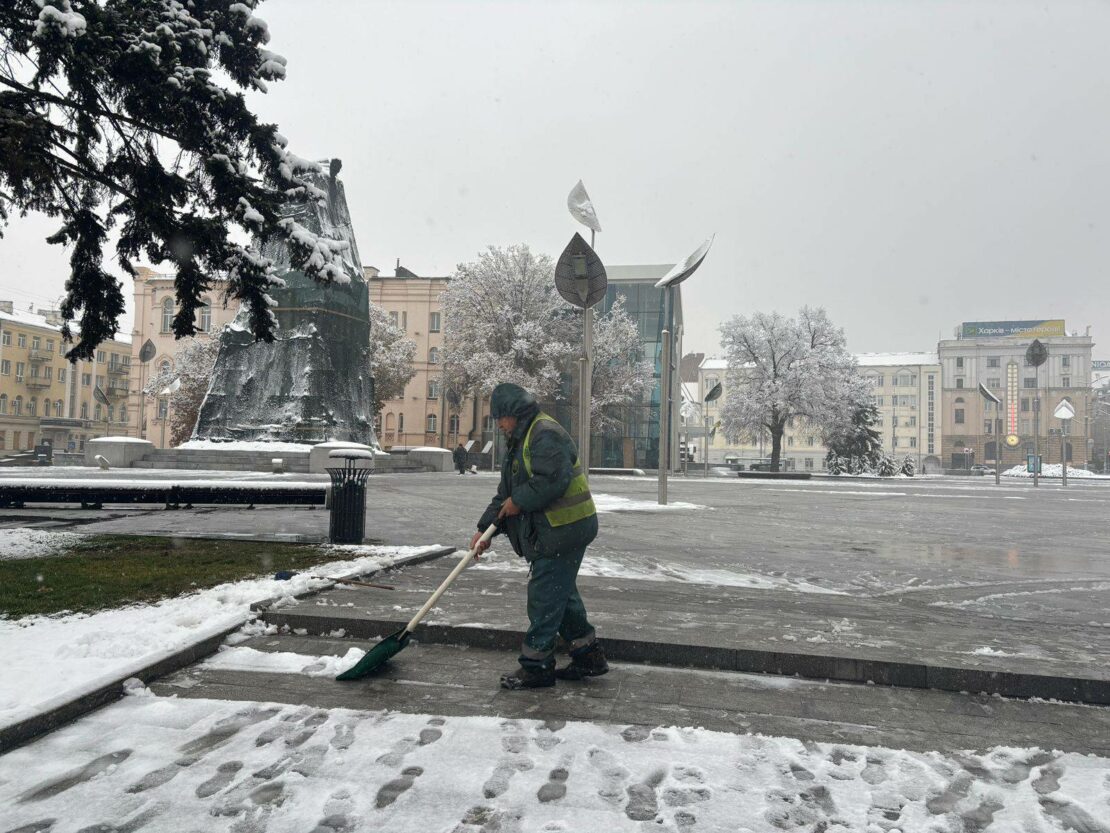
580 278
103 399
145 355
712 396
1064 412
583 287
667 283
1035 356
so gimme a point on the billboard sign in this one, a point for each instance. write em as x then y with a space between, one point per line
1100 364
1013 329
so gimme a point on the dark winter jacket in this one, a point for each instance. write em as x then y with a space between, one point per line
553 456
459 456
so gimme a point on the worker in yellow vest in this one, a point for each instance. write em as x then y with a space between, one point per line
544 506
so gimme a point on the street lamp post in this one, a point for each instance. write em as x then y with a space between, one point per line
668 283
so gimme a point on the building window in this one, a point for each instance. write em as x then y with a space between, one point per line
959 416
34 371
912 421
431 423
390 421
205 315
3 439
48 372
433 322
393 318
878 400
1025 426
3 403
994 361
433 389
36 343
1029 382
894 441
789 441
453 424
809 464
98 412
32 406
46 407
5 367
58 408
988 426
404 321
913 442
810 441
6 338
61 374
17 406
994 382
84 410
1066 381
100 357
400 423
894 421
959 382
167 315
959 362
1065 361
21 340
163 407
433 355
50 345
1026 404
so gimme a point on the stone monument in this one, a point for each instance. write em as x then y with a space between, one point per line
312 383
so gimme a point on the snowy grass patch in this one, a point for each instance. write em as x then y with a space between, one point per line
22 543
1054 470
50 660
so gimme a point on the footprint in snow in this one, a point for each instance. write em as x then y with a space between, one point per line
93 768
337 814
394 789
614 776
691 790
556 786
225 774
643 803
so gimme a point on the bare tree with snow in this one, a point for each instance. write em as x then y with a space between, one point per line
621 374
503 321
784 368
185 384
391 356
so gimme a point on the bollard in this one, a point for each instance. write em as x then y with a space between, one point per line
347 523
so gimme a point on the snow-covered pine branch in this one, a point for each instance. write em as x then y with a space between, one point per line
116 114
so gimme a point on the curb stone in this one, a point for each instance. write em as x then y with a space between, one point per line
27 730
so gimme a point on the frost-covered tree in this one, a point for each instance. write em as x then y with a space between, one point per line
503 321
118 113
785 368
621 374
858 437
886 466
185 384
834 463
391 356
909 466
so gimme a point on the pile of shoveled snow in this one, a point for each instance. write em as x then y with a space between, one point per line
616 503
49 660
1048 470
34 543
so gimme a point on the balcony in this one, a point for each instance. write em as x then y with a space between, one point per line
38 382
39 356
119 369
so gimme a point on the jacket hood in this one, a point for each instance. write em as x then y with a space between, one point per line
508 399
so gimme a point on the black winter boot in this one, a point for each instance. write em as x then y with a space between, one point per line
528 678
589 662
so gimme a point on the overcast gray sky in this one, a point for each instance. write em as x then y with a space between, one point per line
907 165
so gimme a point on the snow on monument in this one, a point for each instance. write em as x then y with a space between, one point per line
312 383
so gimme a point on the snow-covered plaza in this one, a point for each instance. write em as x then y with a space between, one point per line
957 576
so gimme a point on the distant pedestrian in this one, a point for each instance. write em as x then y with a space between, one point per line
543 504
459 457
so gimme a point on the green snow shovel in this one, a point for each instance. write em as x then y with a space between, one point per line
395 642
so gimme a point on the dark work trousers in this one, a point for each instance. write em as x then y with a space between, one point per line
554 609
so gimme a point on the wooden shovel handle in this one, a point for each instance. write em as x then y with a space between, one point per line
466 559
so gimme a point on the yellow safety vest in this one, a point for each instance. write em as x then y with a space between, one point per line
577 502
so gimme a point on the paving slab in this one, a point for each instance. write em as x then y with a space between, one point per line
440 679
815 635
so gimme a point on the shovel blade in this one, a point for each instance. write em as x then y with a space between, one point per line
377 656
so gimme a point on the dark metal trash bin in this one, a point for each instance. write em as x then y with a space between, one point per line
347 523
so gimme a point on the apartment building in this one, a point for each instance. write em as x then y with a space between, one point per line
906 389
993 353
155 308
44 398
422 415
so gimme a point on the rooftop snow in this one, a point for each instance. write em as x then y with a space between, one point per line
895 359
